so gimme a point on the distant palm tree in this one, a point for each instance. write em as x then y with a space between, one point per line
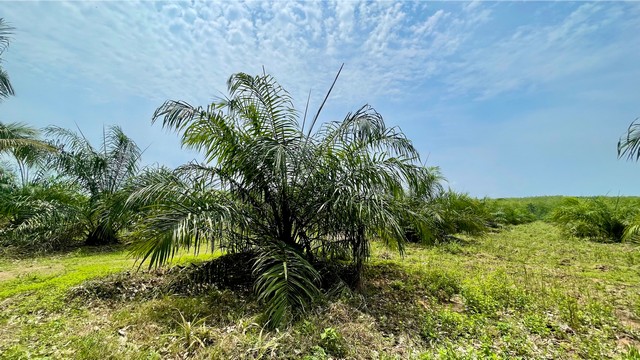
101 174
84 200
23 143
629 146
291 193
6 89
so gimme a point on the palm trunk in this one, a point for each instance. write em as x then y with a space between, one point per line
359 255
101 235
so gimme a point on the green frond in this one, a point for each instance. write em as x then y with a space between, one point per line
6 89
629 144
180 210
5 35
285 282
15 136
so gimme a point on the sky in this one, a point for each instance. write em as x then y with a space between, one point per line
509 99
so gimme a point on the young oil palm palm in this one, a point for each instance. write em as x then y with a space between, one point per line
293 194
43 214
102 175
22 142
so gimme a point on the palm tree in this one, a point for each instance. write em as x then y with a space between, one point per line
629 146
294 194
43 214
6 89
23 143
101 174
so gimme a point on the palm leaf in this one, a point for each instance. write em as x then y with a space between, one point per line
285 281
629 144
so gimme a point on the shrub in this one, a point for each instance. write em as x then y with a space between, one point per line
333 342
509 212
593 218
446 215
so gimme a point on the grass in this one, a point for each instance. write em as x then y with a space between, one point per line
525 292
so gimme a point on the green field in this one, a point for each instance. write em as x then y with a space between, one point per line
525 292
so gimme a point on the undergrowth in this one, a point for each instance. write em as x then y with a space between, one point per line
525 292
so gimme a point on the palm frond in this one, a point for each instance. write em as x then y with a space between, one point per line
6 89
16 135
285 282
629 144
179 212
5 35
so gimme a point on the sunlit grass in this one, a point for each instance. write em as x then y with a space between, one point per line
525 292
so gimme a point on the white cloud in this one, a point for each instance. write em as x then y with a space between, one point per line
536 55
421 62
187 50
161 50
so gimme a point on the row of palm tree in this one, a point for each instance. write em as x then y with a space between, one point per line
294 192
73 192
296 195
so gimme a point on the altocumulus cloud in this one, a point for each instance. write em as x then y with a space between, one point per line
469 82
187 49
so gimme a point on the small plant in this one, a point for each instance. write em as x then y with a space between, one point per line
448 324
190 331
494 293
333 342
443 285
317 353
537 324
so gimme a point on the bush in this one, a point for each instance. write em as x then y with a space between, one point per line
510 212
333 342
593 218
446 215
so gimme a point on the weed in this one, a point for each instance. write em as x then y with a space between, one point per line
191 331
503 296
442 284
317 353
333 342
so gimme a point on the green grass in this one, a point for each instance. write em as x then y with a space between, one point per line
525 292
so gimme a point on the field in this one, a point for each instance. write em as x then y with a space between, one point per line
524 292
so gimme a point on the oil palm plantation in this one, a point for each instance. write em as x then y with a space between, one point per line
276 183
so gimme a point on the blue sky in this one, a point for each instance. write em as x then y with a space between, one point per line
508 98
